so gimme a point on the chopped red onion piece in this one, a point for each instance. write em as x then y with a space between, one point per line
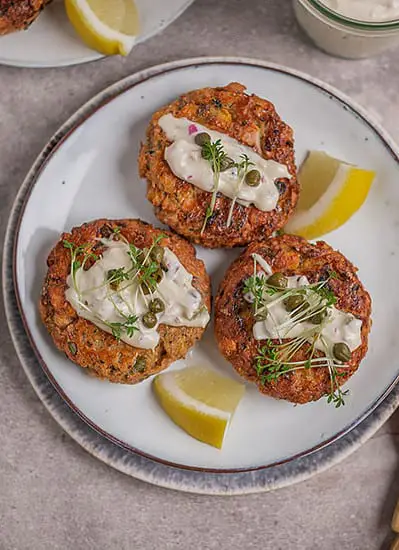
192 129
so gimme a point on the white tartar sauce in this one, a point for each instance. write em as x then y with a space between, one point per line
184 159
365 10
93 299
338 327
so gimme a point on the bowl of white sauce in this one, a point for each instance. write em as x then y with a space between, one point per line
350 28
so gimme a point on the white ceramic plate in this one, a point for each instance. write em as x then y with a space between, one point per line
89 170
31 48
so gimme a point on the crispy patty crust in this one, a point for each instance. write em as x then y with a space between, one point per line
234 320
89 346
250 120
18 15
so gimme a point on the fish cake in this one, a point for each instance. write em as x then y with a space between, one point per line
250 120
17 16
101 353
234 317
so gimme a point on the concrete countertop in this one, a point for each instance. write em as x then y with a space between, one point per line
53 495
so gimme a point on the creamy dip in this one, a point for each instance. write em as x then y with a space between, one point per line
347 39
338 325
93 299
365 10
184 159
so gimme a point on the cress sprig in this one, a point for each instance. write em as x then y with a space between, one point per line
214 153
79 257
147 269
116 276
242 169
276 359
260 290
128 326
143 270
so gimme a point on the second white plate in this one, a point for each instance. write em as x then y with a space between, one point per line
30 48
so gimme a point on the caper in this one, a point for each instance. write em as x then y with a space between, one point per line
149 286
140 364
226 163
157 253
318 318
110 274
202 138
146 288
156 305
281 186
293 302
252 178
141 256
261 315
156 278
158 275
277 280
149 319
341 352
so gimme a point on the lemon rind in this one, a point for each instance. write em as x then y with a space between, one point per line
169 385
322 218
100 30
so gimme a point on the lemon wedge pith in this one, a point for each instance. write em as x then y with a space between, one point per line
331 192
108 26
200 401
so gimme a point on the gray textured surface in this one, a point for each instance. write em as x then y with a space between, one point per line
54 495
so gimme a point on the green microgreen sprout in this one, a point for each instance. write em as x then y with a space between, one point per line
116 276
142 271
146 268
214 153
242 170
76 252
276 357
276 360
128 326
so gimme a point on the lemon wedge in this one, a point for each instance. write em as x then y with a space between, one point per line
331 192
108 26
200 401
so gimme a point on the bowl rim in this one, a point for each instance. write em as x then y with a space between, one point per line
355 24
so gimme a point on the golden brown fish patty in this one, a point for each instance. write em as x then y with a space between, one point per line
89 346
17 15
234 320
250 120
